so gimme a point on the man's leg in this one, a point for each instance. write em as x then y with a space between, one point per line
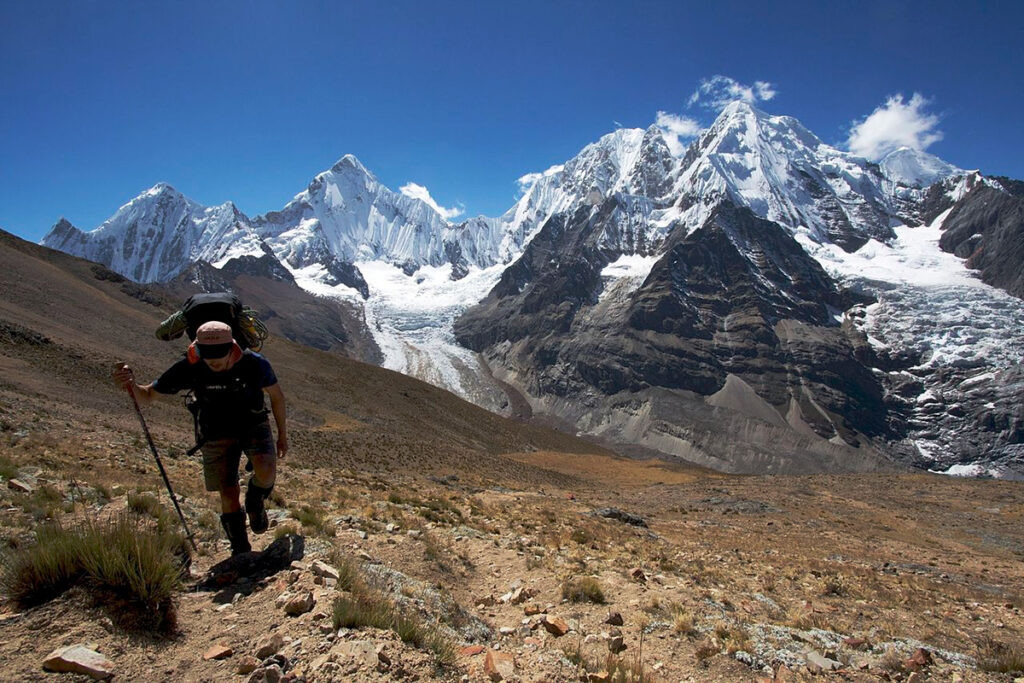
220 472
230 497
263 456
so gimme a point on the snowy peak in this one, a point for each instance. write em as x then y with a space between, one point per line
350 164
158 234
785 173
346 214
916 169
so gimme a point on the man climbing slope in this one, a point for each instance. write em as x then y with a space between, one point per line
228 384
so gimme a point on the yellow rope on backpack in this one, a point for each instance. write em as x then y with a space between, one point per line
253 328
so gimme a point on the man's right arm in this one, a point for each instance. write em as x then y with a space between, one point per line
125 378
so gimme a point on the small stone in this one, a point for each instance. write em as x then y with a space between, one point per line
300 604
855 643
269 646
278 660
531 609
614 619
362 652
267 674
499 666
555 626
218 651
107 624
920 659
616 645
638 574
817 662
19 485
80 660
915 677
600 677
472 650
324 570
247 665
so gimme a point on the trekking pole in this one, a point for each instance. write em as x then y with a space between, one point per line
163 472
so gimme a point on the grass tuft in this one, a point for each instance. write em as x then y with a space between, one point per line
143 503
312 519
133 568
365 606
997 657
40 572
583 589
8 470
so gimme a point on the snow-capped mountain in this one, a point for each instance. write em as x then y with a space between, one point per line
637 295
784 173
346 214
158 234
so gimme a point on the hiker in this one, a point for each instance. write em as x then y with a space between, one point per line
228 384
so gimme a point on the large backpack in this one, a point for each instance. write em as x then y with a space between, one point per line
224 307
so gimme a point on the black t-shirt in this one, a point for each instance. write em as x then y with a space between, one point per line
230 402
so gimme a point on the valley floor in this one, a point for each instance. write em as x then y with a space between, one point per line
732 579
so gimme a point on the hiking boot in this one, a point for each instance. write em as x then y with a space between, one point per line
234 527
255 508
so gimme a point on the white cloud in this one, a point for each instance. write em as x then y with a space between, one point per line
718 91
893 125
675 129
419 192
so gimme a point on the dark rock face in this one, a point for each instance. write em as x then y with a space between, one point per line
1012 186
343 273
259 266
986 227
737 297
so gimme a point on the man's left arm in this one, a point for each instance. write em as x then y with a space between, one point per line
277 407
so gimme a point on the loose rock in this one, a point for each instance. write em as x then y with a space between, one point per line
300 604
80 660
555 626
247 665
267 674
499 666
324 570
19 485
218 651
269 646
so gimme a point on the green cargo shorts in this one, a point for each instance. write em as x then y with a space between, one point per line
221 457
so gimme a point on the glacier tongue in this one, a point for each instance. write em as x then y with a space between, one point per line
410 318
951 330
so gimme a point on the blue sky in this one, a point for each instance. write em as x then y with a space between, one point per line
247 101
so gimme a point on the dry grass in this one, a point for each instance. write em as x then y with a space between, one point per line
998 657
367 607
135 564
583 589
620 669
